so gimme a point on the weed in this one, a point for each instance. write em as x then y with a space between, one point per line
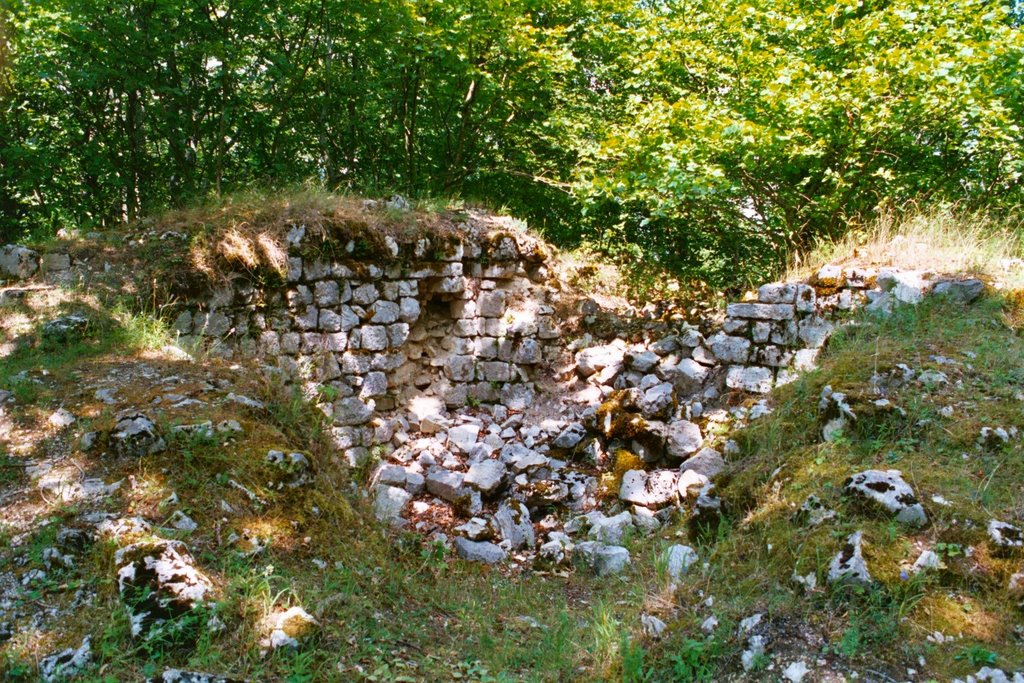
693 662
977 655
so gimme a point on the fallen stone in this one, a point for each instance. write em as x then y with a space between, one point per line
486 476
887 489
848 565
570 437
18 262
135 435
707 462
653 490
479 551
603 559
286 628
445 484
513 523
960 291
678 559
66 664
463 437
610 529
683 439
158 582
596 358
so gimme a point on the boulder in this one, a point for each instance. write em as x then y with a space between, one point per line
479 551
445 484
284 629
603 559
18 262
707 462
887 489
687 375
610 529
390 503
570 437
654 489
904 286
486 476
159 583
848 565
657 402
960 291
135 435
513 523
596 358
464 436
683 439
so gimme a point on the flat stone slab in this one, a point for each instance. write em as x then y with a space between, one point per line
761 311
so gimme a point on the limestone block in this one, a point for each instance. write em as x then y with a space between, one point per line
492 304
374 338
756 380
760 311
326 293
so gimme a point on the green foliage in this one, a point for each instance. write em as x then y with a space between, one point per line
977 655
752 128
109 111
694 662
706 138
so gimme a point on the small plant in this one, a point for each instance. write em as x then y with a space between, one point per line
949 550
633 655
977 655
692 663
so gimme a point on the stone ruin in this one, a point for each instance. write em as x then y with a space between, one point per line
446 361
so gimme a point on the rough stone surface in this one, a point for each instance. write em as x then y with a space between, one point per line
683 439
135 435
887 489
18 262
158 582
707 462
848 565
513 523
479 551
603 559
486 476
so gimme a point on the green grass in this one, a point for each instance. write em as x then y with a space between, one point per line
783 461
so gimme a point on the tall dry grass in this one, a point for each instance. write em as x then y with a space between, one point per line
940 240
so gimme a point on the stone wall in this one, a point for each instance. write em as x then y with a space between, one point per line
442 321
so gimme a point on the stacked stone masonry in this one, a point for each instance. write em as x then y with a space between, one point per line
466 320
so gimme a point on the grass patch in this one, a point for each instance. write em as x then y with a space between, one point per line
783 460
943 240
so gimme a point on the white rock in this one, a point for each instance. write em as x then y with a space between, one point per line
796 671
678 559
848 565
887 489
